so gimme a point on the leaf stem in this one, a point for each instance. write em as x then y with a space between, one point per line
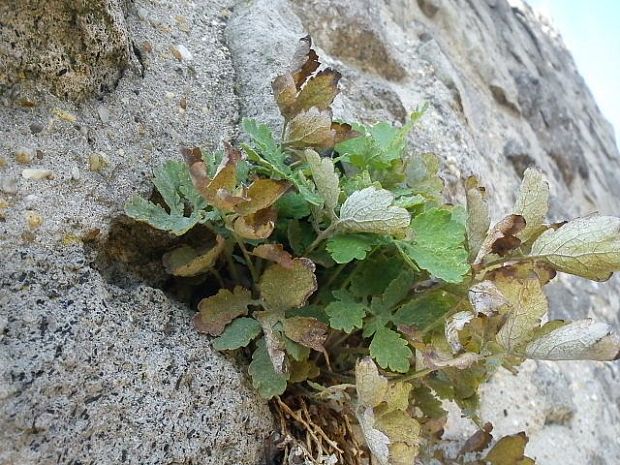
321 237
231 263
248 260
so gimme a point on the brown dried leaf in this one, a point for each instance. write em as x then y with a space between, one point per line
274 253
283 288
501 239
257 225
308 332
320 91
478 220
478 441
215 312
285 92
311 128
509 450
186 261
305 61
343 131
261 194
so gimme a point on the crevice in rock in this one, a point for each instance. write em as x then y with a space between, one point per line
132 254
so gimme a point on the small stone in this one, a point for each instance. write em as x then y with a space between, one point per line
3 206
98 161
23 156
33 219
8 185
37 173
183 103
40 154
181 53
64 115
36 128
104 114
143 14
75 173
182 23
2 162
147 47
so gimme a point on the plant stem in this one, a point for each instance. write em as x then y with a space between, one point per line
231 263
248 259
321 237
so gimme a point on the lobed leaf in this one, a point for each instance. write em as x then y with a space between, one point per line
265 379
532 202
577 340
438 245
215 312
587 247
283 288
390 350
237 334
154 215
345 248
186 261
370 210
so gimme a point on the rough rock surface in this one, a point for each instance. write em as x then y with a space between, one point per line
73 47
97 366
95 361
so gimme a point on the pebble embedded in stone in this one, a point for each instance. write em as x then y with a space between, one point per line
33 219
23 156
98 161
181 53
104 114
36 128
8 185
37 173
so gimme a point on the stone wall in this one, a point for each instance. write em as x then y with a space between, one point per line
97 364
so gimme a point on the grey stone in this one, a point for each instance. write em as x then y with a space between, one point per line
97 365
75 48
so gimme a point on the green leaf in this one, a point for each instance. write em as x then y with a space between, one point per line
325 178
422 173
587 247
370 210
345 313
378 146
154 215
215 312
265 143
265 379
438 245
283 288
374 275
532 202
296 350
577 340
425 310
390 350
293 205
238 334
345 248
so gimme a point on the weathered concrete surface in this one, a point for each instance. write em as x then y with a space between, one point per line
96 366
95 362
504 94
